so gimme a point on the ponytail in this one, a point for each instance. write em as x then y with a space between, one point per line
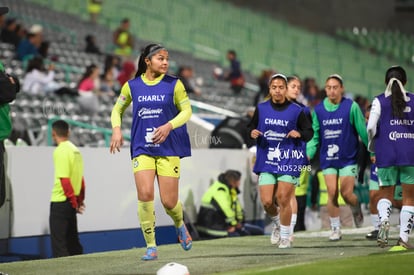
142 66
397 101
398 77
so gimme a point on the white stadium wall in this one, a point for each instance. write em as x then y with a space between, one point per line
111 202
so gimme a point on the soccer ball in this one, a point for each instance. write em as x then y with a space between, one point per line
173 269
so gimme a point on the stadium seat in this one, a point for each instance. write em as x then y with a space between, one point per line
203 44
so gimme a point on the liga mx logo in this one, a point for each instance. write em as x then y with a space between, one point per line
274 153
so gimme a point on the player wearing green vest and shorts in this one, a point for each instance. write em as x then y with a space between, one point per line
338 123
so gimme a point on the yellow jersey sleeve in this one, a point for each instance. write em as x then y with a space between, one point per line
121 105
183 104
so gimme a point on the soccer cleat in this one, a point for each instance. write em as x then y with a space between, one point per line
406 245
336 234
275 235
373 235
150 255
285 243
382 239
358 215
184 237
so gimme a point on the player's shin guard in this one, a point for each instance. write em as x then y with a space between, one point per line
146 215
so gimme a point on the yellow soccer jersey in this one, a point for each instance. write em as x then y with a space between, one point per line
68 163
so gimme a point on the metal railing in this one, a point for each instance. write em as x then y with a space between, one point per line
107 133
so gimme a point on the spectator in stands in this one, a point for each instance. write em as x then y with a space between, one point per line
89 89
94 9
221 214
235 74
127 72
123 39
91 46
9 33
39 79
21 32
186 75
109 85
311 92
44 49
114 63
29 46
2 17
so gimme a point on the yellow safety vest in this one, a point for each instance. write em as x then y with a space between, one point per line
302 189
323 193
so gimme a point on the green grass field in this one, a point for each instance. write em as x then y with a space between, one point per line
312 254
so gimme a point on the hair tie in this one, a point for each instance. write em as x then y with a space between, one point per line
278 76
337 77
388 90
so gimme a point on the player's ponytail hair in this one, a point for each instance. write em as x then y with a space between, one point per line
397 77
147 52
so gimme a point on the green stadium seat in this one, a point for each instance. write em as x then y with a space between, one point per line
209 30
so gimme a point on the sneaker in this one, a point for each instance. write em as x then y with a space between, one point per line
184 237
336 234
373 235
358 215
275 235
291 238
285 243
382 238
150 255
